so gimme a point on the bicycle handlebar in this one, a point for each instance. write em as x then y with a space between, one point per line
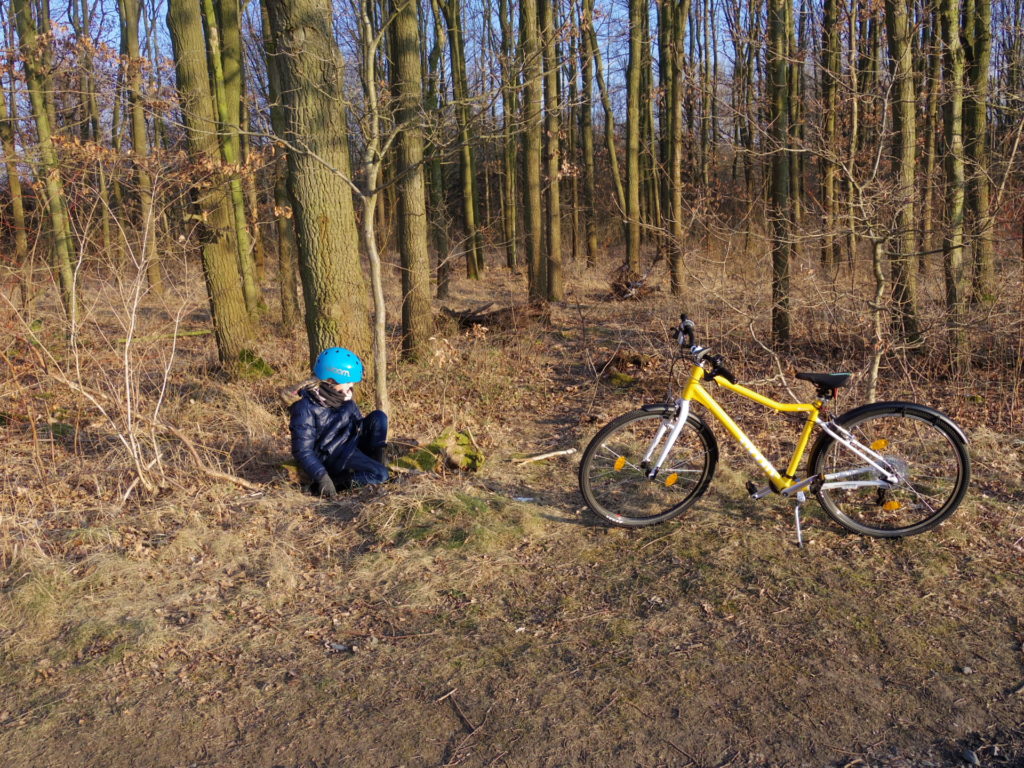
686 336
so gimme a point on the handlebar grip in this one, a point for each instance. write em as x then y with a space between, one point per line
718 369
725 373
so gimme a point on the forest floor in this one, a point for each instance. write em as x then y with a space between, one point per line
485 619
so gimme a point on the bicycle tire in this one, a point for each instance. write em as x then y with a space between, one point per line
618 490
927 450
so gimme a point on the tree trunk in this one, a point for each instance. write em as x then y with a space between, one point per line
933 128
34 56
706 94
953 244
633 128
150 261
552 152
228 132
904 111
609 123
312 87
854 137
830 66
978 23
665 22
287 248
407 77
7 139
532 147
795 58
680 14
587 129
91 121
650 212
213 207
572 144
252 201
438 209
228 23
370 38
509 69
474 255
780 169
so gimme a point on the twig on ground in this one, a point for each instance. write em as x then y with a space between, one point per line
542 456
466 722
679 749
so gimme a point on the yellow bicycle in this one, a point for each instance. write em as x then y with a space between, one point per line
884 469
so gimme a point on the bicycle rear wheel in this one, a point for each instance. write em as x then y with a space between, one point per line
613 475
923 447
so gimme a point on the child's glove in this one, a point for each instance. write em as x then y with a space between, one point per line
326 486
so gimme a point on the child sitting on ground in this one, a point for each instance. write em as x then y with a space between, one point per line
331 441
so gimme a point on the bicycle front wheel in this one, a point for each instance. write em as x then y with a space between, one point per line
926 451
613 473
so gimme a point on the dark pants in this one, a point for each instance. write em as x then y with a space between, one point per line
363 466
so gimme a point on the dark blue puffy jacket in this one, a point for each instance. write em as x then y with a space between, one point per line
323 437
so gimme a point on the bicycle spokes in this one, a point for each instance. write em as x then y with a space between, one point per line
909 471
618 477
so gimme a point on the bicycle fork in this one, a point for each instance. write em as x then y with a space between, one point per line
670 427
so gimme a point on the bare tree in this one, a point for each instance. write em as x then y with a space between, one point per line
417 317
552 150
780 206
977 33
8 119
35 56
904 111
129 14
226 94
953 244
312 80
213 213
532 142
633 128
287 248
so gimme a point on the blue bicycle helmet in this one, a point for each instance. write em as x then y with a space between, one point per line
339 364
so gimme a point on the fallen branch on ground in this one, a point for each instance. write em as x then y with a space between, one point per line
542 456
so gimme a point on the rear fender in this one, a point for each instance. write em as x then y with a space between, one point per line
898 406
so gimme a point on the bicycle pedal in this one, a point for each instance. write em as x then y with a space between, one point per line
757 493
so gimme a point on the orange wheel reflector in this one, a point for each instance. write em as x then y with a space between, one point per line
620 463
671 480
880 444
891 506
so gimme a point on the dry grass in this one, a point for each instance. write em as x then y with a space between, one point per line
199 623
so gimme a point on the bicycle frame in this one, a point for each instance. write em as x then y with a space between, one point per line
783 482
